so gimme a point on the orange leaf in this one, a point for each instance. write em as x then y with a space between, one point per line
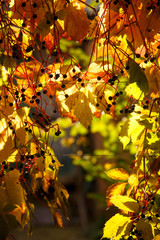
76 23
115 189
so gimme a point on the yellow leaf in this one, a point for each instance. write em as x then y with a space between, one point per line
15 193
114 189
118 174
13 157
125 203
133 180
157 237
3 75
82 110
118 223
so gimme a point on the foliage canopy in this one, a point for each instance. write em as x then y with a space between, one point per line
36 72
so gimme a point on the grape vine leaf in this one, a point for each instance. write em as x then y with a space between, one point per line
118 174
116 227
138 86
125 203
145 229
113 190
76 23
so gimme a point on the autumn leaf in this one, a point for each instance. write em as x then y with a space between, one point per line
117 174
145 229
116 227
125 203
113 190
76 23
138 86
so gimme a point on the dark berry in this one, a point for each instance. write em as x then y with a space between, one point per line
57 133
157 215
23 99
38 93
142 216
45 91
145 106
137 55
73 70
97 104
63 85
150 218
114 78
23 90
34 16
79 79
66 96
48 22
113 103
117 94
31 101
37 100
98 78
42 70
57 76
50 75
33 96
5 96
1 41
127 67
126 110
39 84
65 76
110 98
50 96
55 18
121 111
10 104
23 24
42 152
5 166
34 5
23 4
82 84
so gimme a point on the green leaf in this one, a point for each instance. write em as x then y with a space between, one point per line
116 226
138 86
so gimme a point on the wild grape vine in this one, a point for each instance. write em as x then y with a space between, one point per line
36 74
